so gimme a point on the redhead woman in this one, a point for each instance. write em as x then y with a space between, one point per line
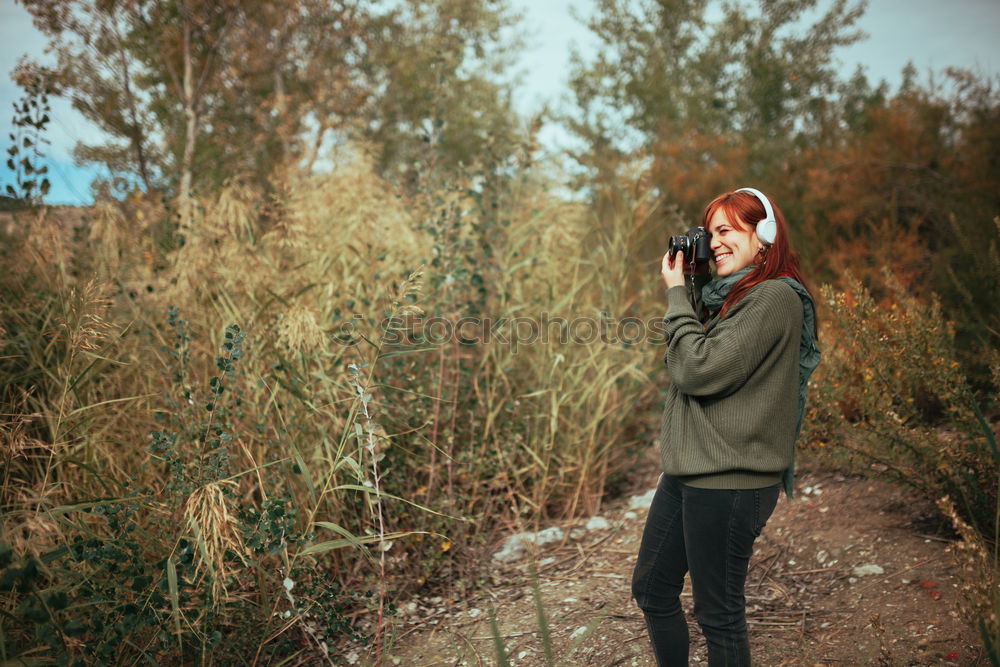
740 349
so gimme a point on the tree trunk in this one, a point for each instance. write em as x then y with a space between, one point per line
136 132
191 131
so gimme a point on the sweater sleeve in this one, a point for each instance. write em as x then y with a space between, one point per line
719 361
691 292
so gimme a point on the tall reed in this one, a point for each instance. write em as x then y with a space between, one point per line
258 425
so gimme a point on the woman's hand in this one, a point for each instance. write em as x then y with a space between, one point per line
672 272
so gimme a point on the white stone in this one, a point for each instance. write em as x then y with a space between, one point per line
579 631
629 516
643 501
516 545
865 570
598 523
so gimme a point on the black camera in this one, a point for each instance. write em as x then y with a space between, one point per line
695 244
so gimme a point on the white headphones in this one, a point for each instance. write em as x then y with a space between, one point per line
767 227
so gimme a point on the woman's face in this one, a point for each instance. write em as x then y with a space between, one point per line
732 248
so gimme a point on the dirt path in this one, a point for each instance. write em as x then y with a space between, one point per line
808 603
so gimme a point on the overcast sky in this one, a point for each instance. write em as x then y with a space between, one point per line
933 34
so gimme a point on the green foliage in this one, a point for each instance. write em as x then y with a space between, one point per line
499 648
542 619
194 93
446 95
24 155
967 273
205 420
270 529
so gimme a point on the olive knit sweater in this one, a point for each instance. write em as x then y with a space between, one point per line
731 416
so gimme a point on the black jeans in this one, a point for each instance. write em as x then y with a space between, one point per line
711 533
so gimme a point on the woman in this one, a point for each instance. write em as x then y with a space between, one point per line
739 353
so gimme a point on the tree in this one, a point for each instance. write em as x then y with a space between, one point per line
191 92
910 185
440 90
713 101
97 69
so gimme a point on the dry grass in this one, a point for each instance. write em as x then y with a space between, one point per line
464 430
209 521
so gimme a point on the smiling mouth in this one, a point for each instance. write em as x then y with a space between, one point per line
724 256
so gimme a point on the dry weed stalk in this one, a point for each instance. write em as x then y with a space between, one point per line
207 517
300 331
48 245
26 528
14 442
980 577
30 532
83 325
573 395
410 287
108 238
328 214
233 215
370 444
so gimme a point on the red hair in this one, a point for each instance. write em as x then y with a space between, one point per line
742 210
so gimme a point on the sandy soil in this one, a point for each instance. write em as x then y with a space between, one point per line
807 605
